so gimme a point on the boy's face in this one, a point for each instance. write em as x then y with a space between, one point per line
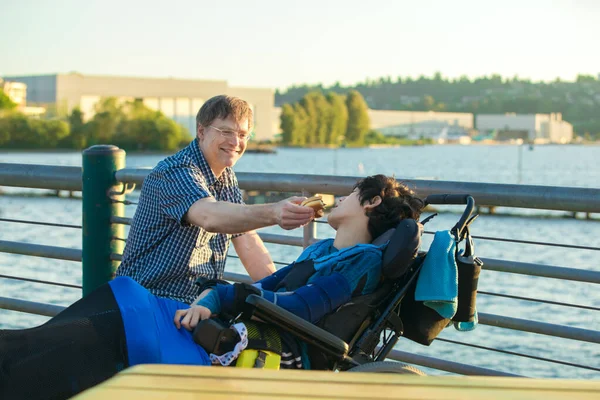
345 209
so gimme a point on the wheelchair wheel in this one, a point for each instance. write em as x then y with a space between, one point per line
388 367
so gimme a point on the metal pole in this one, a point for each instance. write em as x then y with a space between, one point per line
309 234
520 163
101 202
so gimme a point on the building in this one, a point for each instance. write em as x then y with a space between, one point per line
179 99
439 126
17 93
539 128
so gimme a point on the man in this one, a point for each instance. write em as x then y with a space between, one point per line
191 207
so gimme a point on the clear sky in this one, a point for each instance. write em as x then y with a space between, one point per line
279 43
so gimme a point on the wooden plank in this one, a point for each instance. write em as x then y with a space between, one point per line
363 378
334 390
104 393
187 382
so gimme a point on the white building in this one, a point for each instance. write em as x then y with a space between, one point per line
179 99
540 128
434 125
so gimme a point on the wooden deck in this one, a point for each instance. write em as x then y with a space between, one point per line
148 382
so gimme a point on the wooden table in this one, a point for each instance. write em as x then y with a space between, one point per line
148 382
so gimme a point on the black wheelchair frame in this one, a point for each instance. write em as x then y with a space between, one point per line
383 327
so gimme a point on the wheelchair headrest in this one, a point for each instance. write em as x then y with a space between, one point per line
404 242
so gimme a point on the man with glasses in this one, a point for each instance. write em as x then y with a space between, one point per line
191 207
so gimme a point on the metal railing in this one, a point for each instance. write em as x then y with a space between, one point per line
104 183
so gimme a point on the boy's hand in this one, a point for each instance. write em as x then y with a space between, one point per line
189 318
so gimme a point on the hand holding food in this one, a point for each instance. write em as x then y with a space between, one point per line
316 203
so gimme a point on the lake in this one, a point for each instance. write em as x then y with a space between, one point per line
576 166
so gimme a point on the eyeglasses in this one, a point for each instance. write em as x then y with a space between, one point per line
230 134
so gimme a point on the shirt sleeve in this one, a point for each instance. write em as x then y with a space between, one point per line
269 282
181 187
310 302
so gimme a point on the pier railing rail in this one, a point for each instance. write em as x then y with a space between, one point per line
104 182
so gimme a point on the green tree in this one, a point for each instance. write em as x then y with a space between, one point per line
5 102
50 132
302 125
20 132
4 132
358 118
323 112
338 122
103 125
310 127
77 138
141 128
585 78
289 122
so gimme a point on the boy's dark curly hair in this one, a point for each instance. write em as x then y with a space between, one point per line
397 202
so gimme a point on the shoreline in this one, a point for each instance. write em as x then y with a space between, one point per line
267 147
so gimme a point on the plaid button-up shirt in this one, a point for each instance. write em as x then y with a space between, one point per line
163 253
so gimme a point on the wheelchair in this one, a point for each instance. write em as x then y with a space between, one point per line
359 335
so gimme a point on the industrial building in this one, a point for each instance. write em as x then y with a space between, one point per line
179 99
439 126
537 128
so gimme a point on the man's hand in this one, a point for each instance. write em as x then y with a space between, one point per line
189 318
290 214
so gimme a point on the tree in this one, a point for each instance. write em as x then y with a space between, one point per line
77 139
141 128
289 122
5 102
51 132
323 111
302 125
103 125
585 78
338 121
358 118
308 103
578 101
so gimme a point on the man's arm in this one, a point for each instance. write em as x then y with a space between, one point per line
226 217
254 255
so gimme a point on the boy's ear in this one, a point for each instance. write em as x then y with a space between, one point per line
375 201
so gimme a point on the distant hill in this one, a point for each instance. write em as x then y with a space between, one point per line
579 101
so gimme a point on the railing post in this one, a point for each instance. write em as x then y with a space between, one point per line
309 233
100 163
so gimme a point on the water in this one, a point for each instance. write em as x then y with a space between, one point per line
576 166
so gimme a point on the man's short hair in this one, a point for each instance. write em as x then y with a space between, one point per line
223 107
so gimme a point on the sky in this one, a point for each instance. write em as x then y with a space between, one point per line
281 43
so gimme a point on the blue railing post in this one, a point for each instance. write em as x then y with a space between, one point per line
101 196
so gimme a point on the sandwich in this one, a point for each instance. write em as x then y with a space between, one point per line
316 203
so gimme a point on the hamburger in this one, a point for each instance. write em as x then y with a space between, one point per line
316 203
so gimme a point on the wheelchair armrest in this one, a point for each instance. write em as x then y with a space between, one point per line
304 330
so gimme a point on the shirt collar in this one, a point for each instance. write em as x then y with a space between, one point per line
209 175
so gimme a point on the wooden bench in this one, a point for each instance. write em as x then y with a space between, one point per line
147 382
